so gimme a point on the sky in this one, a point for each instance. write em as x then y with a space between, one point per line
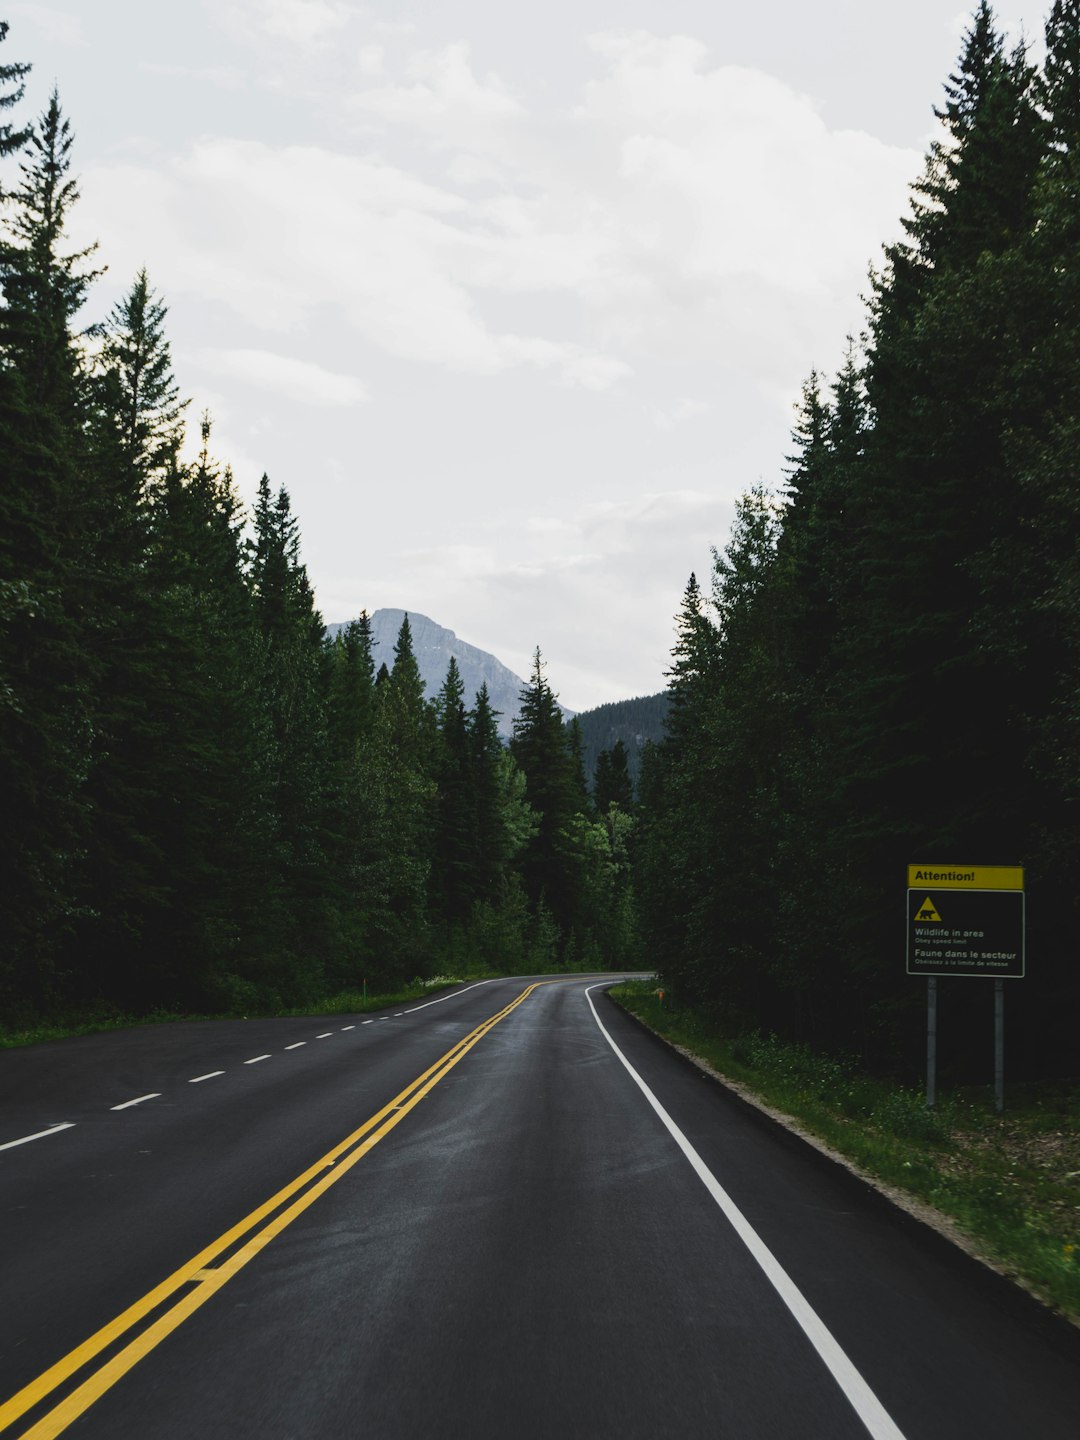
514 300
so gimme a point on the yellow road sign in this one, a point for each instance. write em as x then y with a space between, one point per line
966 877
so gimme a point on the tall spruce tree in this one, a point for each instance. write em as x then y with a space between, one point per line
141 395
209 820
553 790
453 887
49 524
13 75
289 661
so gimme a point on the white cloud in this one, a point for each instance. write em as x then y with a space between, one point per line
276 234
439 93
680 207
298 22
621 564
298 380
649 269
58 26
223 77
369 60
728 172
685 408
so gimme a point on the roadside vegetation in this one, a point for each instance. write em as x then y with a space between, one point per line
345 1002
1009 1183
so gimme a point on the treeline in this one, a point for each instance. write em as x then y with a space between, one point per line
886 668
629 723
206 804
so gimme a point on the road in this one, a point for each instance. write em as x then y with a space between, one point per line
510 1213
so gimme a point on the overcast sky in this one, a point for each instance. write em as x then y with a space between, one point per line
514 299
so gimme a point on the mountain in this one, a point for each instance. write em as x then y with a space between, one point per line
634 722
433 646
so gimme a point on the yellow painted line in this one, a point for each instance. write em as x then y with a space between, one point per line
209 1279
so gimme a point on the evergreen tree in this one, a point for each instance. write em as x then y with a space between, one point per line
454 845
49 521
553 790
612 785
211 814
352 689
351 738
492 849
141 395
14 74
288 660
399 793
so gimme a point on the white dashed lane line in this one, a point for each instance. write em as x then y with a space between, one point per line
40 1135
213 1074
127 1104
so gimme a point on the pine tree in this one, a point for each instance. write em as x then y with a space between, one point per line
210 819
352 689
140 393
49 523
399 793
289 662
612 785
454 848
553 790
492 845
11 140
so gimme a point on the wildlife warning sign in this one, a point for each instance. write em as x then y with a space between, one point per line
966 920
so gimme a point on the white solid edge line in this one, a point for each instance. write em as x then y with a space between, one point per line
255 1059
52 1130
867 1406
138 1101
451 996
211 1075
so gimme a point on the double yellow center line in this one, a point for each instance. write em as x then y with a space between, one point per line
205 1273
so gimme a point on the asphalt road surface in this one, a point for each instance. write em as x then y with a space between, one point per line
507 1213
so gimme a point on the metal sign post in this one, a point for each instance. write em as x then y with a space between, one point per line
999 1045
966 920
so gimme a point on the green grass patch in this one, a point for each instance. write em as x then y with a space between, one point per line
345 1002
1010 1183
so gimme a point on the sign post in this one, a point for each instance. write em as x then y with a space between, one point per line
999 1045
966 920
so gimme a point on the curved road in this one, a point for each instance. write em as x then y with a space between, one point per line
509 1212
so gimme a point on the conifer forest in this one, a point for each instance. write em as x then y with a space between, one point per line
210 806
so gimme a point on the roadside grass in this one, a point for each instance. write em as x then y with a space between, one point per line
344 1002
1009 1183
